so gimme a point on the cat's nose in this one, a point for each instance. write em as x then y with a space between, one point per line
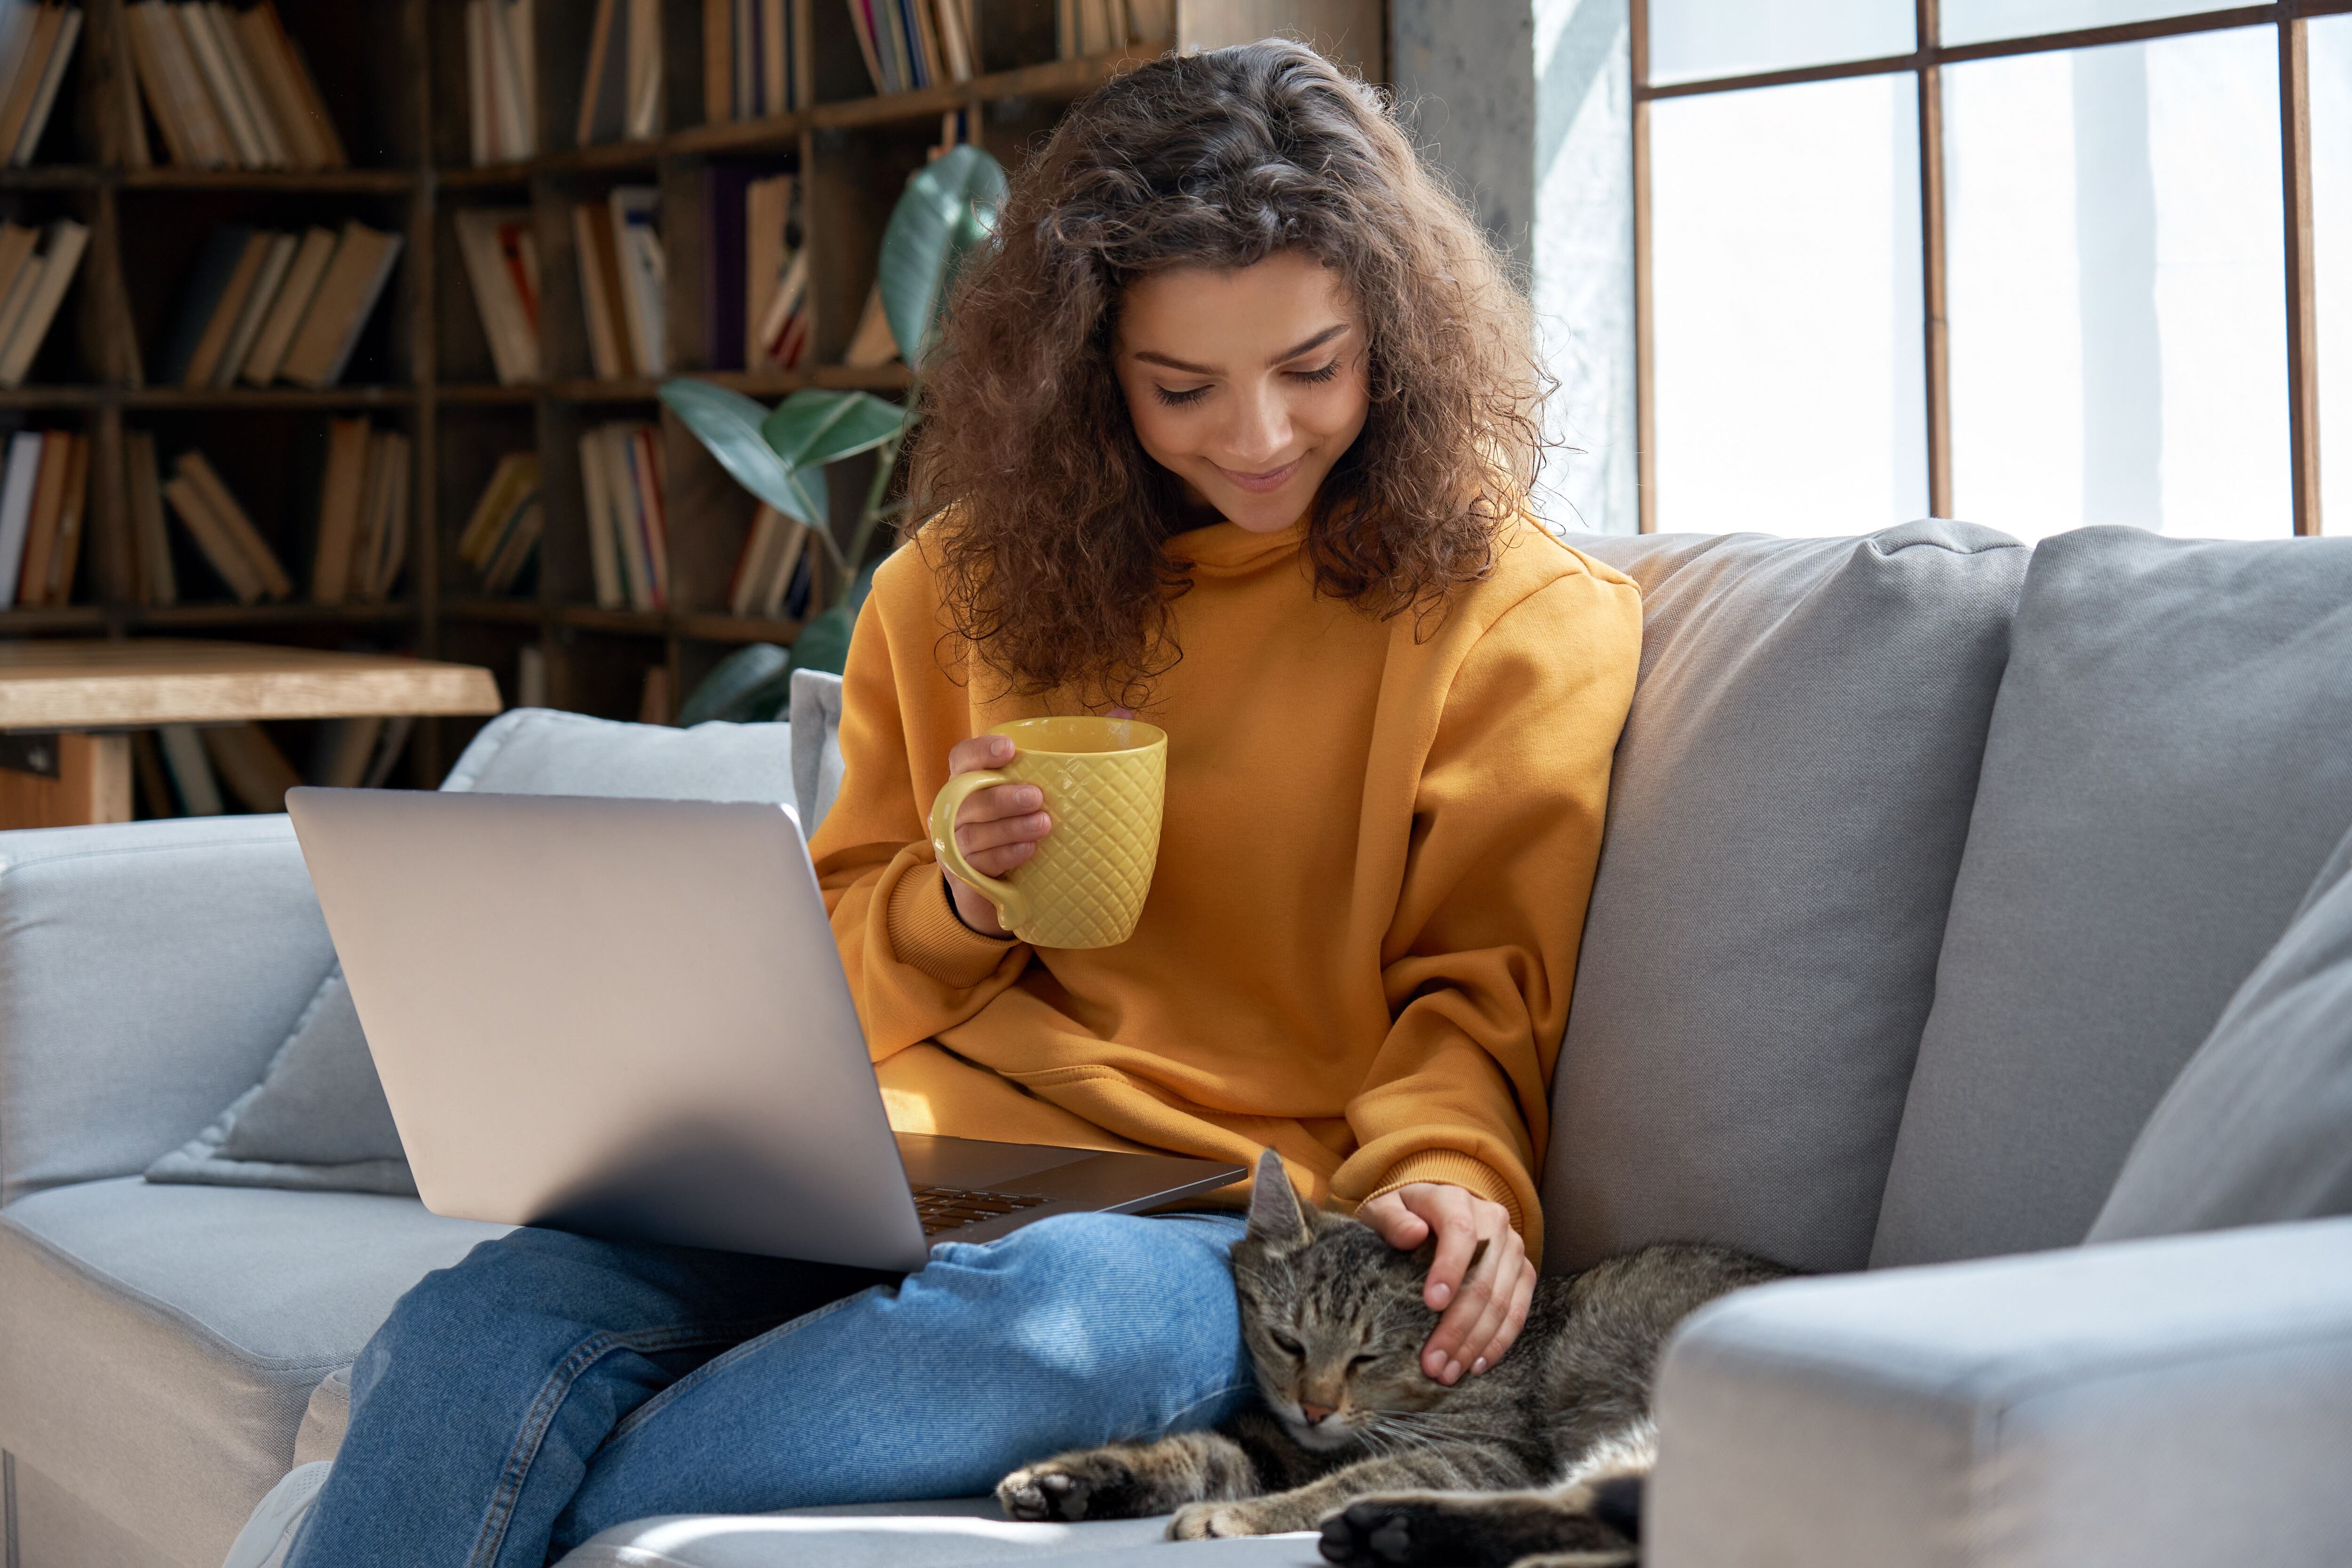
1314 1413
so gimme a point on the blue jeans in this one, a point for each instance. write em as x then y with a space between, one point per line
552 1385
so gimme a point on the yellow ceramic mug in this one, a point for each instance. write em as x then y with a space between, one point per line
1102 780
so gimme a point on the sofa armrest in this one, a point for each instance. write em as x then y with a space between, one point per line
2155 1403
148 971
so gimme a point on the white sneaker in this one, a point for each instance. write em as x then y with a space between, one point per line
268 1535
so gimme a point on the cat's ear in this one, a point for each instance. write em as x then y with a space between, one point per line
1273 1212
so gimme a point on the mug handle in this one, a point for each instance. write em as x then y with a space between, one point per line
1012 904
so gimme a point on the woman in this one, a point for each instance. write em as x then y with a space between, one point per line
1232 429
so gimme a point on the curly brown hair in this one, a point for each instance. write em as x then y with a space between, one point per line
1052 566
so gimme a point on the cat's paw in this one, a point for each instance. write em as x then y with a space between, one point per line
1202 1520
1072 1486
1378 1532
1407 1530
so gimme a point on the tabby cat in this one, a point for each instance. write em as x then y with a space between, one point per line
1551 1444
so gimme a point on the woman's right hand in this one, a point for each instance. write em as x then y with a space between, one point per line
997 829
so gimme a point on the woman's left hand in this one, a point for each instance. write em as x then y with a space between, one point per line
1485 1315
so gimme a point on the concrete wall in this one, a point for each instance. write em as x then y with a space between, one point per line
1527 105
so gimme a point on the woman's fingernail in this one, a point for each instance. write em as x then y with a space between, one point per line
1453 1372
1444 1293
1478 1366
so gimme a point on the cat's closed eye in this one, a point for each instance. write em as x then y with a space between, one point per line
1287 1345
1365 1360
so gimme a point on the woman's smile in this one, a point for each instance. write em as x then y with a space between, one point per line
1261 484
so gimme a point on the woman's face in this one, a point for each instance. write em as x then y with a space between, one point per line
1247 385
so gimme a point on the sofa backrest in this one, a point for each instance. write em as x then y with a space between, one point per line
2169 763
1788 809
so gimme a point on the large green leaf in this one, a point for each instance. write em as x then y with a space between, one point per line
949 206
812 428
746 686
728 422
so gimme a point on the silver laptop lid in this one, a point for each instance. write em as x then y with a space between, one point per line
624 1017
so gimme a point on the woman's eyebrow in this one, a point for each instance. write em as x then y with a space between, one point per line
1310 346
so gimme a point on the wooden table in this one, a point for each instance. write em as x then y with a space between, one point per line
66 706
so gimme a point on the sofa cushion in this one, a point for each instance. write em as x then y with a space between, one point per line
317 1119
2258 1126
2169 762
148 972
1789 800
542 750
949 1534
157 1344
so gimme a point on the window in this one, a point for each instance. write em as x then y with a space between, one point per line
2059 262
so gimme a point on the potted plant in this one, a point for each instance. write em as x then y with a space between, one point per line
781 454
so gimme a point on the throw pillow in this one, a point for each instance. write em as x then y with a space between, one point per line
2258 1126
316 1121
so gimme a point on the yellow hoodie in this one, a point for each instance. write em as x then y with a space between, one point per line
1374 870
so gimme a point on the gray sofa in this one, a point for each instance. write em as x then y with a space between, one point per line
1932 862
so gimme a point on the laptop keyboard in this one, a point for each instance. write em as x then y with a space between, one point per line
952 1208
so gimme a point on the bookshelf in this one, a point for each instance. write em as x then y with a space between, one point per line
394 75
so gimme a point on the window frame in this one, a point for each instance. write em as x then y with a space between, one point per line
2287 16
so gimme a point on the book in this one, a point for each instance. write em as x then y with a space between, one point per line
341 750
600 290
191 776
210 277
637 250
16 495
873 344
243 539
605 88
66 555
220 79
18 245
285 312
782 335
283 247
199 115
502 267
156 85
155 582
779 53
147 767
249 762
56 505
653 699
388 542
603 552
223 309
498 518
346 296
62 243
41 72
530 676
653 516
340 491
294 93
501 79
772 547
367 524
644 116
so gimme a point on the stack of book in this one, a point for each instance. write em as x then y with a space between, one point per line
229 90
502 264
213 518
362 530
501 81
621 95
262 305
35 42
628 532
181 768
755 281
620 256
751 59
37 266
777 573
502 535
41 496
911 44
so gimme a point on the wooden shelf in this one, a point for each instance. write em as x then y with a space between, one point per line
393 74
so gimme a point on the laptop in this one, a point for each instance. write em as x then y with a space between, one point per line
628 1017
